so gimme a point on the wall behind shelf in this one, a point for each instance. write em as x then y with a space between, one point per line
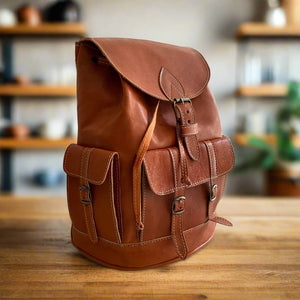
207 25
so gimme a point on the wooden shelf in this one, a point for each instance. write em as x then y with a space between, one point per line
54 29
37 90
242 139
263 90
266 30
35 143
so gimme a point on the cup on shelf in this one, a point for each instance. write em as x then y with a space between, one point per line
7 17
53 129
256 123
19 131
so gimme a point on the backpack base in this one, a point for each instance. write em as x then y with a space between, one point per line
143 255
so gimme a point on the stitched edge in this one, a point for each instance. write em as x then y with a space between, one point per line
144 243
180 92
107 163
117 68
203 180
112 205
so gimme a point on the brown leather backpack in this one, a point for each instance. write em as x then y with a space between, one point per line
149 168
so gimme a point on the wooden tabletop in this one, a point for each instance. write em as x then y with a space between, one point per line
259 258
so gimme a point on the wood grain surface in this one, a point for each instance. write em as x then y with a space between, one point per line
259 258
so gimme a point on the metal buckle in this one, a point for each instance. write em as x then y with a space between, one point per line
173 205
180 100
86 188
212 196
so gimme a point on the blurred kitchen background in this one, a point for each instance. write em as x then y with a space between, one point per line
252 47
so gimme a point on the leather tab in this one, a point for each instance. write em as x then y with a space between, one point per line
188 130
170 85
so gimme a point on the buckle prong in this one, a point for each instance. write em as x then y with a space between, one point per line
86 188
174 205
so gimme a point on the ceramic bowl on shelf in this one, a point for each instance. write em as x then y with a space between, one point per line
29 15
19 131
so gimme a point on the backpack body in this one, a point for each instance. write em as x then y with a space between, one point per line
149 166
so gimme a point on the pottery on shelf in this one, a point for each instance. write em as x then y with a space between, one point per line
19 131
29 15
53 129
275 14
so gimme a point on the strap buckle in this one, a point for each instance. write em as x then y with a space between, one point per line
213 196
86 188
182 101
181 198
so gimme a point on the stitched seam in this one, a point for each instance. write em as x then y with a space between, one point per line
89 208
112 206
181 234
162 86
116 66
174 236
149 175
144 243
98 182
119 198
129 244
174 216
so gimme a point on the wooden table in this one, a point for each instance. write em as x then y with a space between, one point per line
259 258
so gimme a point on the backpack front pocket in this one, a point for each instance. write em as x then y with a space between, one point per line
93 192
161 169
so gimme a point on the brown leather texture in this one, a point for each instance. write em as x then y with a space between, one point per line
149 167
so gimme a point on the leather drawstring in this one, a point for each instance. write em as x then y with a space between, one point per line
137 168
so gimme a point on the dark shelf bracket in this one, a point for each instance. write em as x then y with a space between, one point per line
7 76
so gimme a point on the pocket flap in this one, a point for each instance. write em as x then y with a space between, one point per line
160 163
99 161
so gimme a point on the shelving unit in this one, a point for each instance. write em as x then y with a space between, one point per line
44 29
263 90
8 90
242 139
244 34
249 30
37 90
35 143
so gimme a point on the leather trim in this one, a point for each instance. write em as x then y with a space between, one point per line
158 163
141 61
98 164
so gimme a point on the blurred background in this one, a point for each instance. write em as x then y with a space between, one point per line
252 47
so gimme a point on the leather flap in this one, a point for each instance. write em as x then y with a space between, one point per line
160 163
161 70
99 161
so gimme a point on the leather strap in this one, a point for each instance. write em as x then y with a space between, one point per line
177 212
188 128
86 197
137 168
213 187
